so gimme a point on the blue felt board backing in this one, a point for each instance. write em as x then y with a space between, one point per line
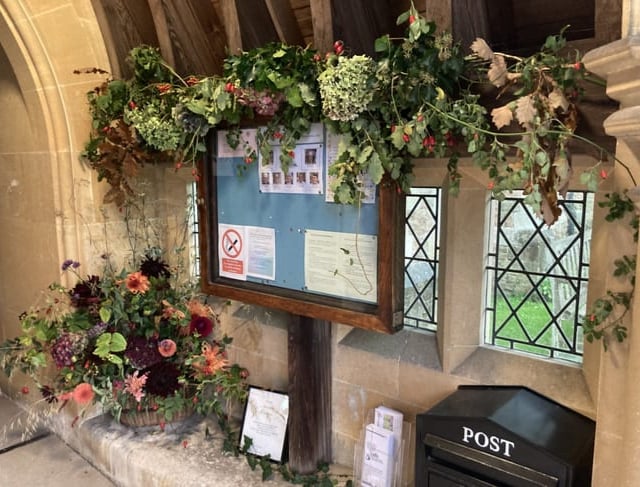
240 202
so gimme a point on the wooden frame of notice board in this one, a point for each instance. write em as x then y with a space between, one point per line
286 245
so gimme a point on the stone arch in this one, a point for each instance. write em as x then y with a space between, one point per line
44 125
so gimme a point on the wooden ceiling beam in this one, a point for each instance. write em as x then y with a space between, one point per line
322 20
231 21
162 29
285 22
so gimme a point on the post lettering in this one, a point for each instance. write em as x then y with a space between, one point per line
466 434
483 440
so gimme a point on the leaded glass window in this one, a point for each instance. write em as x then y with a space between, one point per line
422 248
537 277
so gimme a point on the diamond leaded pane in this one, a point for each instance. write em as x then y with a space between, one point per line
537 277
421 257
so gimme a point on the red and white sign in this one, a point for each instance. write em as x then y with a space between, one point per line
232 251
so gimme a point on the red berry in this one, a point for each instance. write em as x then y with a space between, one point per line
429 142
248 160
412 19
229 87
405 137
291 153
420 117
278 135
339 50
191 80
451 140
603 174
25 390
317 57
577 66
338 47
132 105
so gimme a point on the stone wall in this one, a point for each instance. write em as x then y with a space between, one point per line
52 210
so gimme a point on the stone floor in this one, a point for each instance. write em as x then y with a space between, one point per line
39 458
188 454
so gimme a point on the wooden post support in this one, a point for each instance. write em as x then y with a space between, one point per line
309 393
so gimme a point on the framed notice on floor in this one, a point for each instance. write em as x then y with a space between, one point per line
264 425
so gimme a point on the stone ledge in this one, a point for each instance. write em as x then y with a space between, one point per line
181 456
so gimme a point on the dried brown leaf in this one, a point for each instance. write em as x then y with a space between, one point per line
516 166
502 116
525 110
481 49
498 71
130 166
563 171
558 100
549 210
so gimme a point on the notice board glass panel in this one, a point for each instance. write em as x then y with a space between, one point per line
277 238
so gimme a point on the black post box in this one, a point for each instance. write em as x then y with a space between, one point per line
502 436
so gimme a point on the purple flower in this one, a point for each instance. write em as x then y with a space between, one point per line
70 263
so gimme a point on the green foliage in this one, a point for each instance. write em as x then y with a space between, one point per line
322 477
606 317
108 344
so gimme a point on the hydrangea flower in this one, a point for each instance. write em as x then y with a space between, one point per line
346 87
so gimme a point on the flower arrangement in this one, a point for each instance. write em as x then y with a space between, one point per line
418 98
132 341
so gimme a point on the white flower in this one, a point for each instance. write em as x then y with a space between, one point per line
346 88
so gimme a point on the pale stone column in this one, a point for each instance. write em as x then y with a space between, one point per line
618 441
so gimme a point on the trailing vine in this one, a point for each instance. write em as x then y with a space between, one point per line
606 318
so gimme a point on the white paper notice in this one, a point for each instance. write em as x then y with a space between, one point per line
232 251
341 264
304 175
261 253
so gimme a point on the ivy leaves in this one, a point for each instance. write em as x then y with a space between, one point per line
605 318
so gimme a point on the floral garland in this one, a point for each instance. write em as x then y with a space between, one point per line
418 98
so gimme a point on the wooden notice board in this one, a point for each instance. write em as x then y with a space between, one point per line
276 238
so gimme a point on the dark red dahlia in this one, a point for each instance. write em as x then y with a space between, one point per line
162 379
86 292
142 352
201 325
154 267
